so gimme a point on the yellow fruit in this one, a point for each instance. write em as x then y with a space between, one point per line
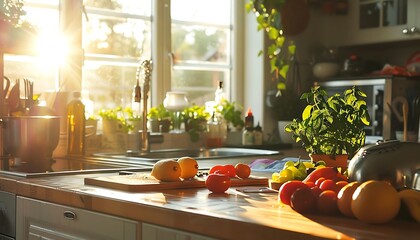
344 198
189 167
166 170
375 202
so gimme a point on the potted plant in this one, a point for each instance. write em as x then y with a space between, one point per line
195 118
232 113
159 117
115 120
332 125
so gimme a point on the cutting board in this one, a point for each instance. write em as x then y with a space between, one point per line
139 182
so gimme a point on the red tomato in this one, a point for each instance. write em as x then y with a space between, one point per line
288 188
218 168
230 170
217 183
339 185
328 184
242 170
316 191
327 202
310 184
302 200
319 181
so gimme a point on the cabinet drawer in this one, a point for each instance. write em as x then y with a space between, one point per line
37 219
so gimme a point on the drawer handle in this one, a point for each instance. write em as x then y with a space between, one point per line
70 215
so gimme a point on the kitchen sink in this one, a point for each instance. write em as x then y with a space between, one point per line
198 154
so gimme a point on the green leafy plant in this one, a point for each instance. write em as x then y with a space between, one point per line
158 113
122 115
332 125
195 118
232 113
281 49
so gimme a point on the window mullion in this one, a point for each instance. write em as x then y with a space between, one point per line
161 48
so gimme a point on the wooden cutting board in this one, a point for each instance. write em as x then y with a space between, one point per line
139 182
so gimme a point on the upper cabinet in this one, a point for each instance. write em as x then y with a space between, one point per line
373 21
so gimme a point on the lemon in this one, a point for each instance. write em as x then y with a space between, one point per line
166 170
375 202
189 167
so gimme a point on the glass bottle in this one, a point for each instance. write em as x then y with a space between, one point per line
258 135
219 94
249 119
76 126
248 136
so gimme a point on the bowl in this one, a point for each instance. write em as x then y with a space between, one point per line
324 70
31 139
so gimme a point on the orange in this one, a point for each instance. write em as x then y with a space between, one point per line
375 202
345 198
242 170
189 167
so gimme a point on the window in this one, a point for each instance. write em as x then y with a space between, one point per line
201 40
117 35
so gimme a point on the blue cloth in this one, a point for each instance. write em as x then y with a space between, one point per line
270 165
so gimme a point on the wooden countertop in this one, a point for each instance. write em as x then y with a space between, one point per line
233 215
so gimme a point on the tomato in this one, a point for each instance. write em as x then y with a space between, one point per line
230 169
327 202
319 181
316 191
288 188
328 184
218 168
217 183
339 185
310 184
302 200
242 170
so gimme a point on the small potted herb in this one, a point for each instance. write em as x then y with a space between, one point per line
195 118
116 120
332 125
159 116
232 113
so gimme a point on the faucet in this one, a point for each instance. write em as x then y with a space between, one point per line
141 94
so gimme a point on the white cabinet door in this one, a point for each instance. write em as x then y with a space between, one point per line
365 23
154 232
42 220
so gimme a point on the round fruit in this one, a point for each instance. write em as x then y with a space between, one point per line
242 170
344 198
375 202
339 185
303 200
219 169
288 188
189 167
217 183
166 170
327 184
230 169
327 202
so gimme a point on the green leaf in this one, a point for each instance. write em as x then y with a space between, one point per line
281 86
283 71
306 112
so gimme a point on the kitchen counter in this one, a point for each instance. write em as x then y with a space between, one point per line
234 215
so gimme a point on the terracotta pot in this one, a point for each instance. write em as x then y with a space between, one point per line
340 161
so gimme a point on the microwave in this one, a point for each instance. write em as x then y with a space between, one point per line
382 93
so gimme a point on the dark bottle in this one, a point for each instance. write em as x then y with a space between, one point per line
76 126
249 119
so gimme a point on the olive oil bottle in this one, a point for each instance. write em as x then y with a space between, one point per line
76 126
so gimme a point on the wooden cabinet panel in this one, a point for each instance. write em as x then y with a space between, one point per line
154 232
